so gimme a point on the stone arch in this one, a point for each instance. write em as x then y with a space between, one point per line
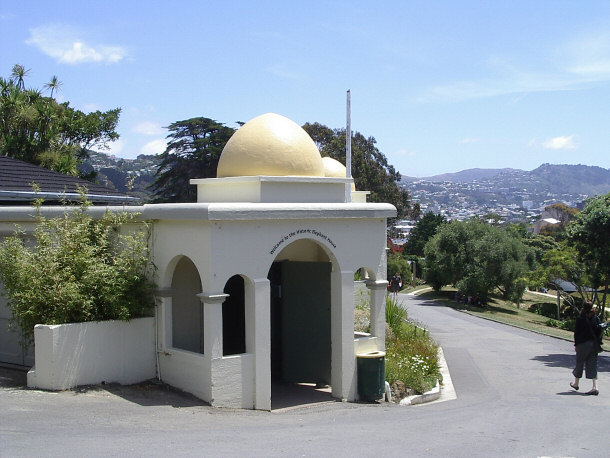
186 308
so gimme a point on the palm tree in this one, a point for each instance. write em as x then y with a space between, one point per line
18 75
54 84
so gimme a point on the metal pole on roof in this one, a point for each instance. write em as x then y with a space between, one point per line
348 148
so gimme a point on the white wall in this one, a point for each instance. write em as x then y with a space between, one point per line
68 355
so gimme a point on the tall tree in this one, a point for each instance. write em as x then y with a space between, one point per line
193 151
370 168
589 233
476 258
37 129
54 85
423 231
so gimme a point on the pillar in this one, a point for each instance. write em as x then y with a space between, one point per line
378 290
163 313
343 359
212 323
258 338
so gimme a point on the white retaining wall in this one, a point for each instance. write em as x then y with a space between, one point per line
68 355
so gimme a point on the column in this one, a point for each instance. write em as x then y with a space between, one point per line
258 339
163 314
378 290
212 323
343 359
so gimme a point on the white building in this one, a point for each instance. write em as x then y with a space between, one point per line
256 279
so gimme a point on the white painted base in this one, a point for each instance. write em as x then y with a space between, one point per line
68 355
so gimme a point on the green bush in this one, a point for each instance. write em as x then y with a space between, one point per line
411 354
413 359
544 309
567 325
395 315
79 269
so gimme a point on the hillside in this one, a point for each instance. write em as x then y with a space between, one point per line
463 176
582 179
131 176
562 183
515 194
556 179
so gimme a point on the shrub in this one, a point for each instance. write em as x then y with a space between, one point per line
567 325
412 359
79 269
544 309
411 354
395 314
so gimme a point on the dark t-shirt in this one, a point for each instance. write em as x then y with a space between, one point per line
583 330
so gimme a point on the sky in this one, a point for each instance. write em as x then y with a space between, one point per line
442 86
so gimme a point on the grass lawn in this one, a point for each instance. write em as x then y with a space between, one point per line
506 312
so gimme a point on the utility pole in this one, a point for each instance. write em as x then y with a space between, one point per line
348 148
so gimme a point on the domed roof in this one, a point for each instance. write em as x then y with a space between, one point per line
271 145
334 169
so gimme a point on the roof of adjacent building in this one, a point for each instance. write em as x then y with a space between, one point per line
17 178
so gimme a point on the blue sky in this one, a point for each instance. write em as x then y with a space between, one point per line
442 86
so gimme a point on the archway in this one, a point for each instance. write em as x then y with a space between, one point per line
234 317
301 303
187 313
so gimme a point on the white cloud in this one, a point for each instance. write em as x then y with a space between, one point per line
64 44
560 143
154 147
147 128
115 148
588 56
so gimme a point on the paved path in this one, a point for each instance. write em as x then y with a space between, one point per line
513 399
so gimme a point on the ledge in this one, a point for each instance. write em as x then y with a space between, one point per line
235 211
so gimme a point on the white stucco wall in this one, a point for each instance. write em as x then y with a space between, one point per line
245 239
68 355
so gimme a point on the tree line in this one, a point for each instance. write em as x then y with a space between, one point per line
37 129
480 259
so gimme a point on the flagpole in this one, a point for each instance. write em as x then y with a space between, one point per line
348 148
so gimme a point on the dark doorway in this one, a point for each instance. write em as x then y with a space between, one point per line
234 317
300 322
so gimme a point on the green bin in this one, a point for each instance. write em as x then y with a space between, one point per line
371 375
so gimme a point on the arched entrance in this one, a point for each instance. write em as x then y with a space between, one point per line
234 317
300 282
187 312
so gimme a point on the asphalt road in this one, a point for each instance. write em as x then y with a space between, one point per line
513 399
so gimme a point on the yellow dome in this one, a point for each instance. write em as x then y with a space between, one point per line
271 145
334 169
